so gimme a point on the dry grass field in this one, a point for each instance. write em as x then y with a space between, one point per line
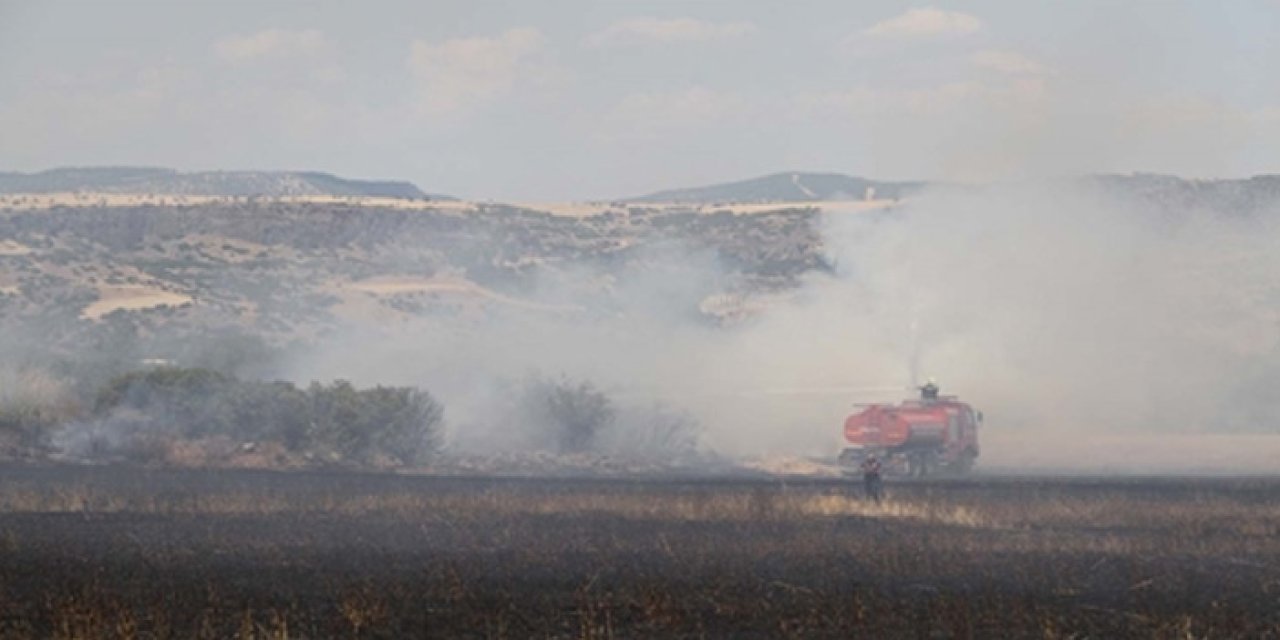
98 552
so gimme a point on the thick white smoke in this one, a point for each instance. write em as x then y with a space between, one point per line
1063 312
1074 316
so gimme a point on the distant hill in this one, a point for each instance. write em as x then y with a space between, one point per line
1243 196
150 180
786 187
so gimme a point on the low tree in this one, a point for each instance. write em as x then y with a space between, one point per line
404 422
570 414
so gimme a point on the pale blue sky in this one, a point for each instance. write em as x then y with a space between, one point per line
581 99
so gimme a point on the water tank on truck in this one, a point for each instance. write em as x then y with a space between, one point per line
915 437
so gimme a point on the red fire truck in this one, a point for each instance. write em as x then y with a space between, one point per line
915 437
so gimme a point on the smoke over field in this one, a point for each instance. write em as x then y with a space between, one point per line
1073 314
1068 312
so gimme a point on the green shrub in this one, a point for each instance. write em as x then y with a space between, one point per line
338 420
571 414
26 424
402 422
32 403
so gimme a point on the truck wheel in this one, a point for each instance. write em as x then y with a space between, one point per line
850 458
964 463
917 465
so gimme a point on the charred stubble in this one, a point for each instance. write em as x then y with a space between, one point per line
115 553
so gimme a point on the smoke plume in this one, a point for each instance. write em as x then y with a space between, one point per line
1062 310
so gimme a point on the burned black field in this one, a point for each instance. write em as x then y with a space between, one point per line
98 552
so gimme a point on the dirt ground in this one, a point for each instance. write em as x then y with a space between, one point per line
109 552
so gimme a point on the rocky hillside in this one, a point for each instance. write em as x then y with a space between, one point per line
287 271
156 181
76 276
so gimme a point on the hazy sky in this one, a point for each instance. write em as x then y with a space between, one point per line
591 99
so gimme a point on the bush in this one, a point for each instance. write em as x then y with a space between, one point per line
655 432
26 425
191 402
570 414
338 420
401 422
33 402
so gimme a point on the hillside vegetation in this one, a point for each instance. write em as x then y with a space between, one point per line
151 181
287 271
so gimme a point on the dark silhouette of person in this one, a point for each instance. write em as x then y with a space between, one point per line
871 484
929 391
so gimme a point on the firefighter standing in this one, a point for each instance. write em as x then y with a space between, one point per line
871 484
929 391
